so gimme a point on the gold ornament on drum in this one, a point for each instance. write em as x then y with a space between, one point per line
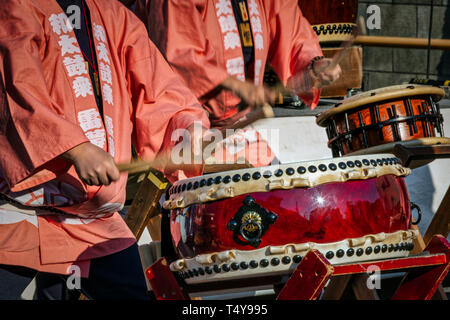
250 221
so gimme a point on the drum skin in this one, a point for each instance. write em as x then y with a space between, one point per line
322 214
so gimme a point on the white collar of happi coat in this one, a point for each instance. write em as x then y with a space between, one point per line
233 55
100 131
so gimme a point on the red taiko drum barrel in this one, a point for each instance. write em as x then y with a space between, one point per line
262 221
332 20
376 120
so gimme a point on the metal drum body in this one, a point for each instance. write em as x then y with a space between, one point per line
262 221
383 117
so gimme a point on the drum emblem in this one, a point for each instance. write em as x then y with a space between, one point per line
250 223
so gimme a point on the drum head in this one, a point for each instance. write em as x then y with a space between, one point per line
377 96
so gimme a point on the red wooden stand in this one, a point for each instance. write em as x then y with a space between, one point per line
424 273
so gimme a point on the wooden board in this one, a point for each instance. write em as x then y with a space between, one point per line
145 202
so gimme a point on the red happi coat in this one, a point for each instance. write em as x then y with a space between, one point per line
200 39
47 107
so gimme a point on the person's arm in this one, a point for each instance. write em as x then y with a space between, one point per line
162 104
34 131
293 48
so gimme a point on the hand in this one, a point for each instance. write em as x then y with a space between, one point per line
94 166
254 96
323 74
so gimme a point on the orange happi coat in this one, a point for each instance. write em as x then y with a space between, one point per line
200 39
47 106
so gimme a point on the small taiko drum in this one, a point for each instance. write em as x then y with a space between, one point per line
374 121
332 20
262 221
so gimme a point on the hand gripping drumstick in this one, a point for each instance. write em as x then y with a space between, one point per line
140 165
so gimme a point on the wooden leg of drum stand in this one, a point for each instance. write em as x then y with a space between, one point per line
441 219
335 289
440 225
421 284
165 285
311 276
360 289
145 204
154 227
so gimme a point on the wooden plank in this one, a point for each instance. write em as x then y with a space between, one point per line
441 220
163 282
154 227
421 283
361 290
145 203
408 154
335 289
397 264
308 279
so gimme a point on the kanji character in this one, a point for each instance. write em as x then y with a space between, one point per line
224 7
232 40
256 24
89 119
75 66
103 52
227 23
108 94
235 66
112 150
82 87
109 126
68 45
253 8
60 23
105 73
259 41
96 137
99 33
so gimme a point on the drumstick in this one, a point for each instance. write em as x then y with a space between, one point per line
140 165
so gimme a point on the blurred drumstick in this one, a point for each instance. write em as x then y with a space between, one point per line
302 83
265 111
345 45
140 165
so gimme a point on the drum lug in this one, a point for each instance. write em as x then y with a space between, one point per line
250 223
